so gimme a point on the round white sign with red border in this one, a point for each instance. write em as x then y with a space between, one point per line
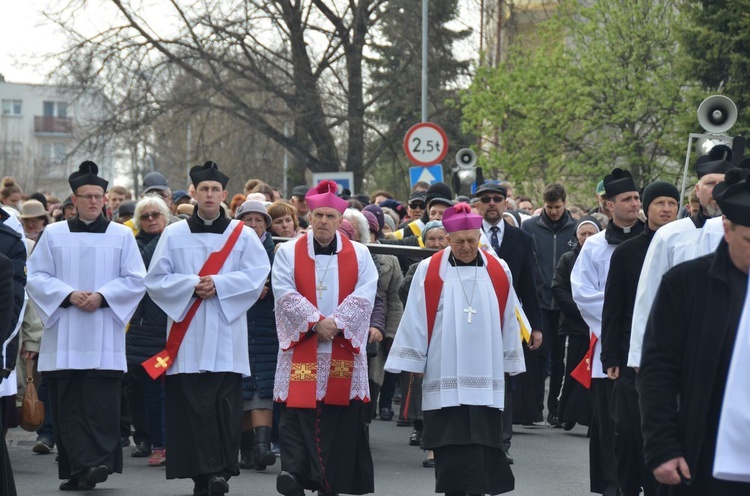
425 144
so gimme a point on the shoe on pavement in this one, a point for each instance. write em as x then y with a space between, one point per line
428 463
218 485
386 414
142 450
94 476
69 485
158 457
288 485
43 446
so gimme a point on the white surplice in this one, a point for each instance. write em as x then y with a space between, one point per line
672 244
108 263
464 363
587 281
216 340
294 313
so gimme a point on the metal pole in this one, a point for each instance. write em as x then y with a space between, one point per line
286 164
685 172
424 60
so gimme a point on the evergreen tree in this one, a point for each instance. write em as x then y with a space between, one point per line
395 72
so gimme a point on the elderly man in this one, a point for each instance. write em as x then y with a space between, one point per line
324 287
86 280
693 380
460 329
205 274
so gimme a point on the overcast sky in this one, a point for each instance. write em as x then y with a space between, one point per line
26 36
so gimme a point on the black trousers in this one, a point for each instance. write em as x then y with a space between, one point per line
7 484
603 467
553 352
632 474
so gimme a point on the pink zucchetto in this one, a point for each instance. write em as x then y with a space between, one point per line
460 218
324 195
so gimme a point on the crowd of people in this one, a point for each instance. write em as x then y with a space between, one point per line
220 334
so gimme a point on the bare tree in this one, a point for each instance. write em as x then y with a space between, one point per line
261 62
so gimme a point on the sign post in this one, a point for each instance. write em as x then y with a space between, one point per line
425 144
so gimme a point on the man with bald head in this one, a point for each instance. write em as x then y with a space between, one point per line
464 347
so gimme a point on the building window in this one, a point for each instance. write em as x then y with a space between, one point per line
11 150
12 107
54 153
54 109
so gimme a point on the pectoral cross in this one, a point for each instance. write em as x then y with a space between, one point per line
469 311
320 288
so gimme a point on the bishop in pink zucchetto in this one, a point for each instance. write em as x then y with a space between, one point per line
324 195
460 218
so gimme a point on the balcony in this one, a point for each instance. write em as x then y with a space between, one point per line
51 125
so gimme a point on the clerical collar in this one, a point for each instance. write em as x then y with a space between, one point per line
216 226
97 226
615 234
207 221
700 218
477 262
329 249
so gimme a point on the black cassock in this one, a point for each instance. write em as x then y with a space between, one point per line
467 441
327 447
85 406
203 420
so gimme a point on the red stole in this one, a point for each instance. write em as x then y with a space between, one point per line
303 377
433 287
582 372
159 363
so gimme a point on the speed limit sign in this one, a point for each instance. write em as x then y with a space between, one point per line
425 144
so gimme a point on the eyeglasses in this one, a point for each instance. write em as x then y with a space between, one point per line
90 197
417 205
496 199
152 215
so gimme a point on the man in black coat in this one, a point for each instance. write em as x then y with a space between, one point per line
688 346
12 246
660 204
518 250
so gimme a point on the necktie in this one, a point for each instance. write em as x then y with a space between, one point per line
493 239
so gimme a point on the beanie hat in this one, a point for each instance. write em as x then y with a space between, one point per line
657 189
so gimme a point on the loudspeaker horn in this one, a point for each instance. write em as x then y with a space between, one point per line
717 114
466 158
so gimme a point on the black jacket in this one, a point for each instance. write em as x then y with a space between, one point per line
619 298
12 246
147 334
686 353
518 251
550 246
571 322
6 306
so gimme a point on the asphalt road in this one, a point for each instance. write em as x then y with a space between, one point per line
547 461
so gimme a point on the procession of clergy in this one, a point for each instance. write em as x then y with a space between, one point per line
663 377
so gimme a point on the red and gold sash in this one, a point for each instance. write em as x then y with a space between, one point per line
582 372
433 287
159 363
304 374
